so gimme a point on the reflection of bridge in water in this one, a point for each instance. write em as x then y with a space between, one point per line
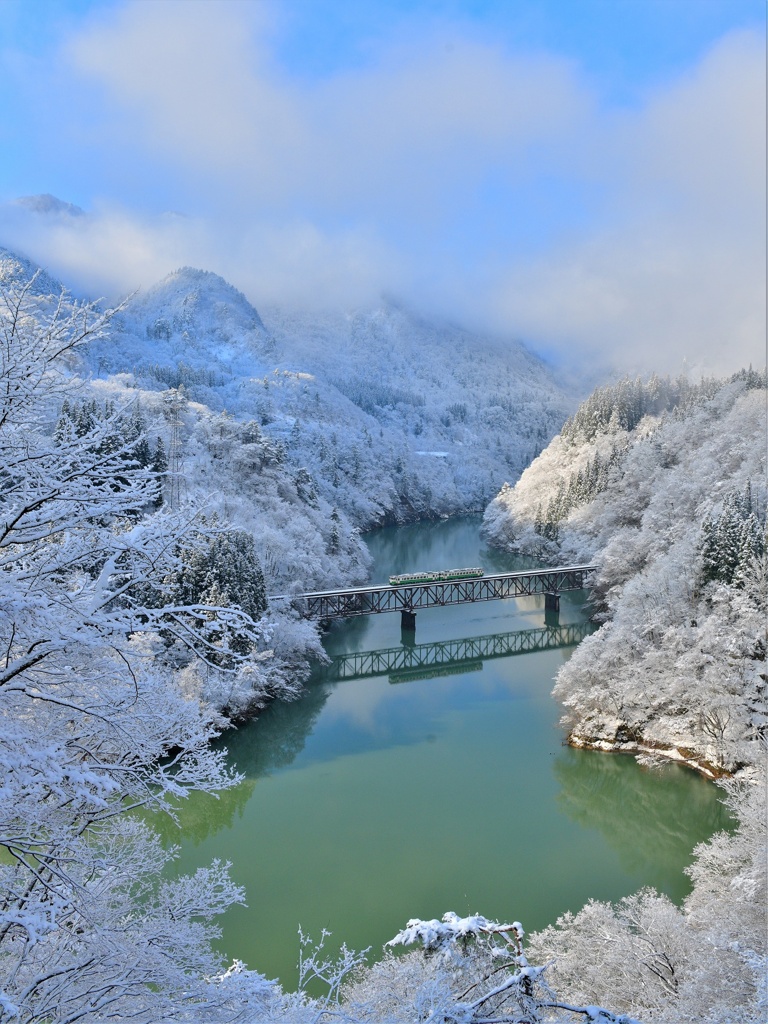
445 657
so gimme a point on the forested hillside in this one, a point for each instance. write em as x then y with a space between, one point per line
391 416
663 485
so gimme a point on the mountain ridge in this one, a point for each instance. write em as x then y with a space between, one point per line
394 415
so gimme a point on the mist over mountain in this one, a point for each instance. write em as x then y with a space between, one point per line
392 414
49 205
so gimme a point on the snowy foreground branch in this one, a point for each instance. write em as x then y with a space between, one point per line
468 971
97 611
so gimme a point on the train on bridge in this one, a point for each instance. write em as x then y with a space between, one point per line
438 576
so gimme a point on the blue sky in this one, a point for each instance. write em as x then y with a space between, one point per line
585 174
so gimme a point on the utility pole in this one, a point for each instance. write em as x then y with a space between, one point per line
175 401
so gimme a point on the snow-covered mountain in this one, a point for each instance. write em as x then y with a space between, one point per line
49 205
17 271
302 430
394 416
192 318
442 385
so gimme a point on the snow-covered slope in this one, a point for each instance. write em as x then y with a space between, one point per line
17 271
192 317
667 494
393 416
229 466
476 399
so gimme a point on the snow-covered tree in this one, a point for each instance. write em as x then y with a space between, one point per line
705 962
91 724
222 571
677 526
732 538
470 971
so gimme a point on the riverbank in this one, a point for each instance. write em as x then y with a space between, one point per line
648 753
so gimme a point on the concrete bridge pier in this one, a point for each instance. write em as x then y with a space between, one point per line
552 608
408 626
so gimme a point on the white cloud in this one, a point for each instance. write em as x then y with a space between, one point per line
388 178
423 119
108 252
111 252
677 270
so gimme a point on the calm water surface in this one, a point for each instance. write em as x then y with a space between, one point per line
375 800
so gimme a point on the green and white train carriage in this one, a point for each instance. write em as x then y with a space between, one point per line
439 576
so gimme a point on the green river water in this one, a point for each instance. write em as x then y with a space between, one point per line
375 800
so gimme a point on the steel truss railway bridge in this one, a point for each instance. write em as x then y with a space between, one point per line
422 661
412 597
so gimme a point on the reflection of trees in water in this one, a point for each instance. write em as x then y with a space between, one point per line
411 548
272 741
203 814
344 635
647 821
277 737
497 560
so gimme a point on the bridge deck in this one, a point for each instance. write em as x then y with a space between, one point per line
329 604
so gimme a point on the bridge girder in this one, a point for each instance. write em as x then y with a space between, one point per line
412 597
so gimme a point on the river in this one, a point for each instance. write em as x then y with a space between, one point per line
374 800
